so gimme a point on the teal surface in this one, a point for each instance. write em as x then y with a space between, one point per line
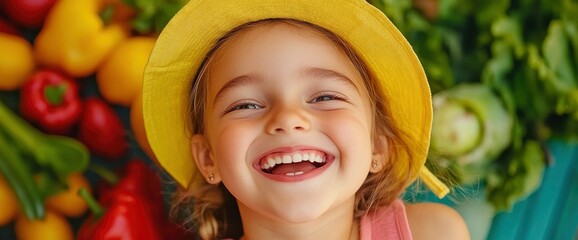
552 211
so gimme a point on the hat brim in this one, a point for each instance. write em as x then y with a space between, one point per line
183 44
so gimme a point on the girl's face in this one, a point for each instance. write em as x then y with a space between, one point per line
288 124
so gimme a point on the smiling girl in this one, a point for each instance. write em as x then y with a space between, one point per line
293 120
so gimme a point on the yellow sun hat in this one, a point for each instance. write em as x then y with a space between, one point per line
182 46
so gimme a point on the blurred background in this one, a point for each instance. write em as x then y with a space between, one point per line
504 79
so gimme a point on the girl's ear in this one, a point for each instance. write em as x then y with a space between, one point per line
204 158
379 156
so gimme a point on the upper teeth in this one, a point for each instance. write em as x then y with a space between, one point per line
286 158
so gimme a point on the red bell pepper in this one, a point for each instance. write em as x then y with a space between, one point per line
142 186
142 182
101 129
27 13
146 182
50 100
127 216
174 231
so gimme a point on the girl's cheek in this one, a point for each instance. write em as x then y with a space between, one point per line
347 129
344 119
232 140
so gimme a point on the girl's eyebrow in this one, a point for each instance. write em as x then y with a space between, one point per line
316 72
249 79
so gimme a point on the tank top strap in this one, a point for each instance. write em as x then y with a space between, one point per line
389 222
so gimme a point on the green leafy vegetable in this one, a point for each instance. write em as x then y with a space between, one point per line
525 51
153 15
519 178
36 165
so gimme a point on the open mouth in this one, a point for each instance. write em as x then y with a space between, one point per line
293 164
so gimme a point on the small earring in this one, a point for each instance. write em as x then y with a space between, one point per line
374 164
211 177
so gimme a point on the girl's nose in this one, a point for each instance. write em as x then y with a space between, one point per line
285 120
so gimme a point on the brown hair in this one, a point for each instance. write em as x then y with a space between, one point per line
211 208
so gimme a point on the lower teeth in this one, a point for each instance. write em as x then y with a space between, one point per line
293 174
315 164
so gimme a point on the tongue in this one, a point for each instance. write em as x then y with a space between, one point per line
283 169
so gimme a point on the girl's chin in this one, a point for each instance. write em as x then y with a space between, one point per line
302 214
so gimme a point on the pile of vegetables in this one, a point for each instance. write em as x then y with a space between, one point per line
504 74
74 160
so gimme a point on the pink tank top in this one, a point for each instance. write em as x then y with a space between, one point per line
385 223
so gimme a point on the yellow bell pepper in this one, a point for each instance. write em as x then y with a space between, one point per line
75 39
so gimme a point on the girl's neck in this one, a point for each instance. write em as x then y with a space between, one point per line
338 223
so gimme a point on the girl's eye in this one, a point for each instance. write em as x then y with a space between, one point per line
323 98
246 106
327 97
243 106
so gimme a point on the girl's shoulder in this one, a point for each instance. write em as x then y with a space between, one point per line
435 221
